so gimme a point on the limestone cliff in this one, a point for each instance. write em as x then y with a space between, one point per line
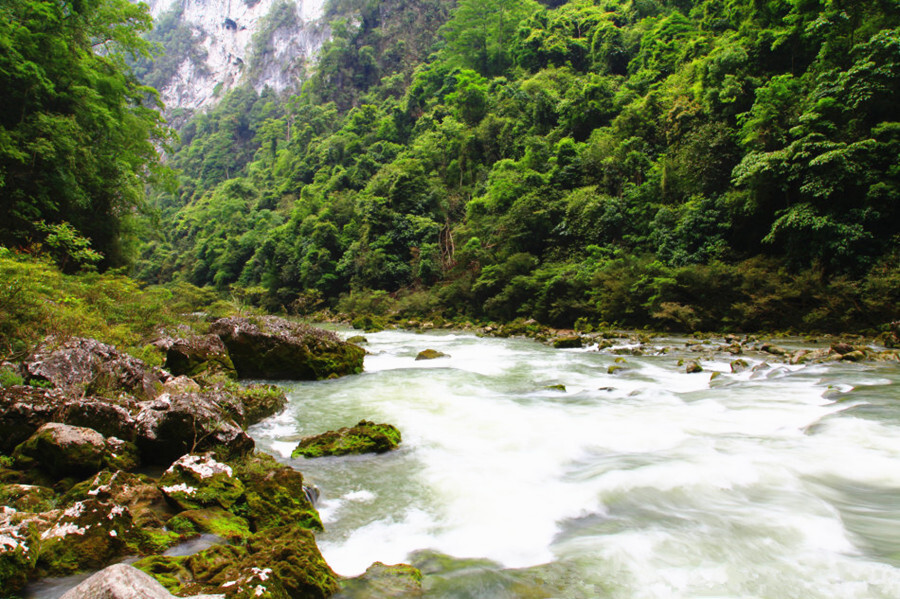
212 45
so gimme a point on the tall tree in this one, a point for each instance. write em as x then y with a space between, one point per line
78 133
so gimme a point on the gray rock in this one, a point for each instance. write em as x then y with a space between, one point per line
123 582
87 366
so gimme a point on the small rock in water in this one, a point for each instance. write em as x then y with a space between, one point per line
430 354
692 367
365 437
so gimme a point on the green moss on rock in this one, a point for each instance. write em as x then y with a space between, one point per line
430 354
274 495
365 437
212 520
388 582
196 481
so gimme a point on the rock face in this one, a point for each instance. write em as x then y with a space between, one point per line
274 348
123 582
261 42
382 582
87 366
365 437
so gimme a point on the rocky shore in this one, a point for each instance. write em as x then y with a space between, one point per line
106 458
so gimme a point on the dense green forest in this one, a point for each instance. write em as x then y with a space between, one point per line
79 135
676 164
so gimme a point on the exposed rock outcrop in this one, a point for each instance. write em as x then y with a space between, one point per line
62 450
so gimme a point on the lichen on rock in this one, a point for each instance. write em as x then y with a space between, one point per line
200 481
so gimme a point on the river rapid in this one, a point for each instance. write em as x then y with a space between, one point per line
778 482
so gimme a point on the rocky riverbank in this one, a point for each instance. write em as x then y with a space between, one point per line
105 457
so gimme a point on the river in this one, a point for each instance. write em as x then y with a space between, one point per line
777 482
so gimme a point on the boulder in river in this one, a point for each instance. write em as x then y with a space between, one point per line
569 341
365 437
270 347
173 425
430 354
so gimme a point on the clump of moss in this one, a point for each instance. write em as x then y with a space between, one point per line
365 437
213 520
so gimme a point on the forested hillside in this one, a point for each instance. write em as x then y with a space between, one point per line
677 164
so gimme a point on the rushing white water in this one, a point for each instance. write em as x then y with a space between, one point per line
783 482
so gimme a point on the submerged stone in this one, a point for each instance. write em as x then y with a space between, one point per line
274 348
383 581
365 437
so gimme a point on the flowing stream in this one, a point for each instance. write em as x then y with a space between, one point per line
777 482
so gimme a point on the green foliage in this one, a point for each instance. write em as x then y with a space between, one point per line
678 164
78 134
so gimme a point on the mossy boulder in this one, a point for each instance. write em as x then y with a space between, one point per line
199 481
274 348
260 401
199 356
294 559
87 536
139 493
739 366
430 354
388 582
27 498
278 562
365 437
18 549
62 450
692 366
274 494
212 520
